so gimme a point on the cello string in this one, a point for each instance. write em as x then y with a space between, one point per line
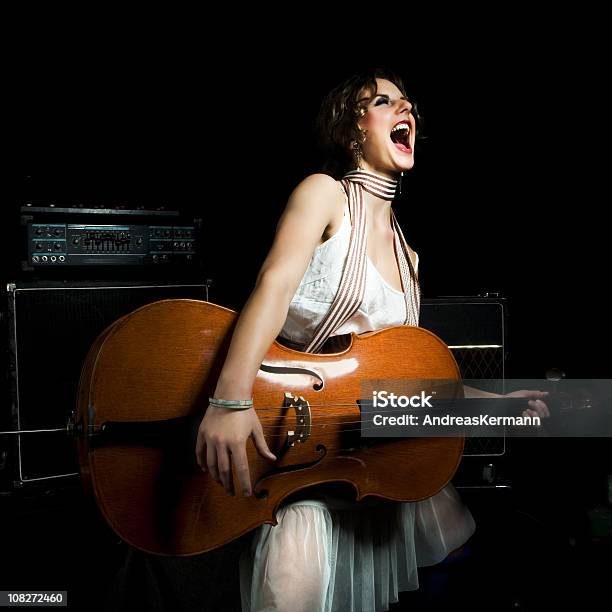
375 428
333 405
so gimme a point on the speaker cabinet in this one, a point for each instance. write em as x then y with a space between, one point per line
475 330
50 327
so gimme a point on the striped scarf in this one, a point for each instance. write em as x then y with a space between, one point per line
352 284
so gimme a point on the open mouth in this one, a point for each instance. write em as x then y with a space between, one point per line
400 136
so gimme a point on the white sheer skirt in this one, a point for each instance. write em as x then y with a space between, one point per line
328 555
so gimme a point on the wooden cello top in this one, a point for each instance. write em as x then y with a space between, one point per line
161 363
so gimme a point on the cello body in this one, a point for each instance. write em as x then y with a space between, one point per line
158 366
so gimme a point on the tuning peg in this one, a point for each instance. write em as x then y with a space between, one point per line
555 374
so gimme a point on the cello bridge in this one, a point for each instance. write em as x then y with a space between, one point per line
303 419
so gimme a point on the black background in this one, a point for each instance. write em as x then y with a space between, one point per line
508 193
505 195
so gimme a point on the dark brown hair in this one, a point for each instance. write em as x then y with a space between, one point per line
340 110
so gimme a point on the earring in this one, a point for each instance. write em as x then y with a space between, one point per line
399 184
357 150
357 154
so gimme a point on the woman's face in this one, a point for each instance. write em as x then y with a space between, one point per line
390 130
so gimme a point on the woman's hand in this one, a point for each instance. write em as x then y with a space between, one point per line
537 408
222 439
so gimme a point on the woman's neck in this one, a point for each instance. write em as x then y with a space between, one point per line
386 174
378 210
378 192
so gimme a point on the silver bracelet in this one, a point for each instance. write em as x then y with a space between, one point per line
233 404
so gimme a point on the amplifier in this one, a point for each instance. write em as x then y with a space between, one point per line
50 328
62 237
475 330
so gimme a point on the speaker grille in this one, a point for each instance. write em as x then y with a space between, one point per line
475 330
51 328
480 363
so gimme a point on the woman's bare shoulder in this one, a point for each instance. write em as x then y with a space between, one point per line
318 192
316 185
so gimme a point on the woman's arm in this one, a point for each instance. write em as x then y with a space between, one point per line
537 407
223 432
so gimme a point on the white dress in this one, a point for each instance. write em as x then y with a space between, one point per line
328 554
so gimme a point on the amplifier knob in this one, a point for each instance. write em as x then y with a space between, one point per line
53 258
44 258
62 258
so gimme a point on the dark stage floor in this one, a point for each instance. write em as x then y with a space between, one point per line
516 561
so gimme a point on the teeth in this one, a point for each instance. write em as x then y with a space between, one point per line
401 126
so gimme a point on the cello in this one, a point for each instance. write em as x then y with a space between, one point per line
145 385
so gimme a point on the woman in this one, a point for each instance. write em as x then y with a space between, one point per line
329 553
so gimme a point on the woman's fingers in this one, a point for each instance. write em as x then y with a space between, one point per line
536 410
225 468
241 465
260 442
211 462
539 407
222 437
